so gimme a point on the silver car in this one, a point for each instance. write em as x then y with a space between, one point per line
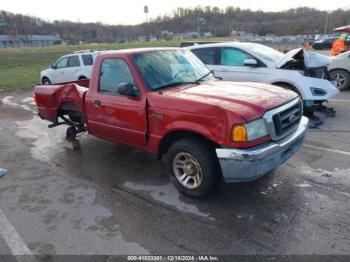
339 70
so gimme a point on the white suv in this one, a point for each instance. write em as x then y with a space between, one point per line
72 67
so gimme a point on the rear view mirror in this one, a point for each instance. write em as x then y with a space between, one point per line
250 62
53 66
127 89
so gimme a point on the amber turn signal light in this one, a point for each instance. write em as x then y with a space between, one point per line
239 133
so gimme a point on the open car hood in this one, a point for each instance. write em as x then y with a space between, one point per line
311 59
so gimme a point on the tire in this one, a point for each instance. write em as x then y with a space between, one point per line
193 167
82 78
45 81
342 79
71 133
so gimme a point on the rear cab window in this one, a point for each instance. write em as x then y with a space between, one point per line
113 72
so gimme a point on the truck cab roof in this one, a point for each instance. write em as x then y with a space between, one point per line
139 50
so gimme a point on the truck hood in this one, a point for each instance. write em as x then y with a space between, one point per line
311 59
247 100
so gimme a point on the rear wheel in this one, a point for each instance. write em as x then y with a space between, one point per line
71 133
46 81
341 79
82 78
193 167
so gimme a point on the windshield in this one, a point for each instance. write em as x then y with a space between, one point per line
170 68
266 52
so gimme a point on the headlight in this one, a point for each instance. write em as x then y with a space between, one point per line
250 131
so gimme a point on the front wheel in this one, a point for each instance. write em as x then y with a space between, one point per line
341 79
46 81
193 167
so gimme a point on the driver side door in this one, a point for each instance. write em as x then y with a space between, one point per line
114 116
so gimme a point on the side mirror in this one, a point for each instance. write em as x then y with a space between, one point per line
127 89
53 66
250 62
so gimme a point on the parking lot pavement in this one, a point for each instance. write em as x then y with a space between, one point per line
110 199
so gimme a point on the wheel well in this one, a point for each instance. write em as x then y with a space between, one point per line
172 137
44 77
342 69
288 85
73 113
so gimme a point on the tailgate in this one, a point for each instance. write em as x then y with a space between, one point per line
50 98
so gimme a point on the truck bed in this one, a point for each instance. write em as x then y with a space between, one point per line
50 99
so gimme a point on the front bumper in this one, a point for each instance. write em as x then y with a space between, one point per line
307 82
240 165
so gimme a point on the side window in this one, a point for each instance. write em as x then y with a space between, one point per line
87 60
62 63
206 55
73 61
233 57
113 73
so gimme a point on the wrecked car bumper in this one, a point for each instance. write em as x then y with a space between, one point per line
240 165
315 89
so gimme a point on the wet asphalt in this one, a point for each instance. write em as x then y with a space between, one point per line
110 199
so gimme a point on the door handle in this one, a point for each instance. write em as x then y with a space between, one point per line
97 103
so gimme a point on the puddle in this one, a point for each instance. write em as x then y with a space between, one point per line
304 185
336 181
47 142
8 101
28 100
337 175
65 209
169 195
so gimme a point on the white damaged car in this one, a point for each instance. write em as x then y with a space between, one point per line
299 70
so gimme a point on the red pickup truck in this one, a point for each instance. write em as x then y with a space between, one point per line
167 102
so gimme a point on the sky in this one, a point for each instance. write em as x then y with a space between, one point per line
131 11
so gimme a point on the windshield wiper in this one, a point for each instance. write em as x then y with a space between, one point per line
202 77
173 84
184 82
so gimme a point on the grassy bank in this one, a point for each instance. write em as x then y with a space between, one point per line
20 67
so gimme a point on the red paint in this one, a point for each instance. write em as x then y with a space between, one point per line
209 109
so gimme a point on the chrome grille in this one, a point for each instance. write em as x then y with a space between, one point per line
285 119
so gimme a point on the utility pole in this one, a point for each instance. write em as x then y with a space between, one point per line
200 21
326 25
145 10
198 29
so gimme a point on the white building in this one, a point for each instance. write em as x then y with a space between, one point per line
8 41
